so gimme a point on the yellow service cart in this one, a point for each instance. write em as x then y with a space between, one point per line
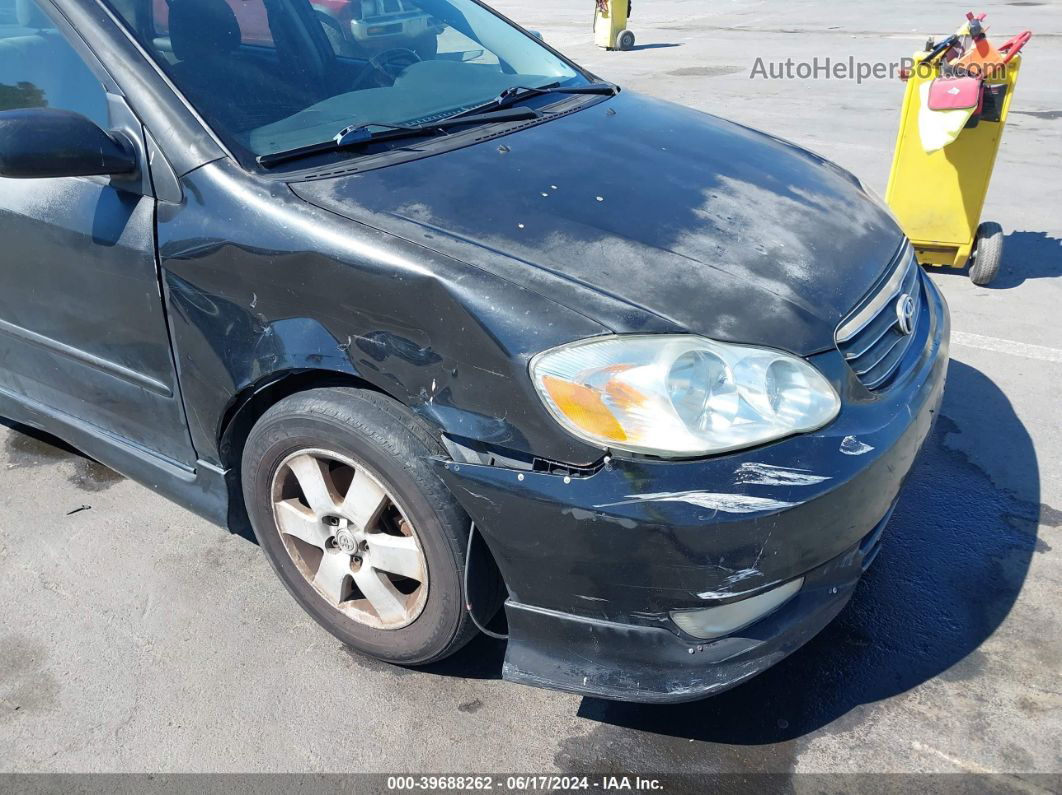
610 24
938 195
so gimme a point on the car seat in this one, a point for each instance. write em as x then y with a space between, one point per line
220 80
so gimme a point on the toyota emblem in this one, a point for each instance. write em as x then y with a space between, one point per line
905 311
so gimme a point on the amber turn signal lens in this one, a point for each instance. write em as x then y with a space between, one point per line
583 406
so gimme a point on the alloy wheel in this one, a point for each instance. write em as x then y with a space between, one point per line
350 539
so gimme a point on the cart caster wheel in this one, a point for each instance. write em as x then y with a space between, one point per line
988 253
625 40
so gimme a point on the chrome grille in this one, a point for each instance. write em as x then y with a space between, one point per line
873 340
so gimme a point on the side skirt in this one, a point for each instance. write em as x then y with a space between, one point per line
201 489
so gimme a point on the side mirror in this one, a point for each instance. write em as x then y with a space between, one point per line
46 142
537 34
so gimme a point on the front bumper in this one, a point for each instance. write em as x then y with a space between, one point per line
595 564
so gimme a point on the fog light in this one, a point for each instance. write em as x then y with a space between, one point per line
714 622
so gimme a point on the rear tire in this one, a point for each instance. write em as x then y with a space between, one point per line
988 253
625 40
309 465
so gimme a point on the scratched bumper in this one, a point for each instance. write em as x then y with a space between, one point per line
595 564
657 664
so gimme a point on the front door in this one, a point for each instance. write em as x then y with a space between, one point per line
83 329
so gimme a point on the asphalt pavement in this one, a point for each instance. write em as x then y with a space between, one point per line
137 637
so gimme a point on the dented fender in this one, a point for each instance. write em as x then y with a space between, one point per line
304 289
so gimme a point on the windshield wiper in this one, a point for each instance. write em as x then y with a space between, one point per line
514 94
359 134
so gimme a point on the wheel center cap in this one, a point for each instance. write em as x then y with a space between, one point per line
346 542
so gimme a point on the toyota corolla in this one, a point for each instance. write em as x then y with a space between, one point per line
461 326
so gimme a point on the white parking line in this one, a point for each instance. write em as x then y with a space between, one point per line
962 764
1041 352
1014 780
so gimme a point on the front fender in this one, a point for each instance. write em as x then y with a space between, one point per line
295 287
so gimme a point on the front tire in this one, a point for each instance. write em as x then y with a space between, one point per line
344 501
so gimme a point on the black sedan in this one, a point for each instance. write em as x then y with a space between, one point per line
461 325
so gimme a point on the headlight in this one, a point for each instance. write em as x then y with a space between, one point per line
680 395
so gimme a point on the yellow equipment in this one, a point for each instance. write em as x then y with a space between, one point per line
938 196
610 25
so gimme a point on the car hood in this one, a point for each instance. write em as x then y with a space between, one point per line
702 224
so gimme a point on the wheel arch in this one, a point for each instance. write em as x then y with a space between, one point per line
254 400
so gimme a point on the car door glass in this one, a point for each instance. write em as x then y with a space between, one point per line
40 69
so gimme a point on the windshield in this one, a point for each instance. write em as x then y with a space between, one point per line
273 75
